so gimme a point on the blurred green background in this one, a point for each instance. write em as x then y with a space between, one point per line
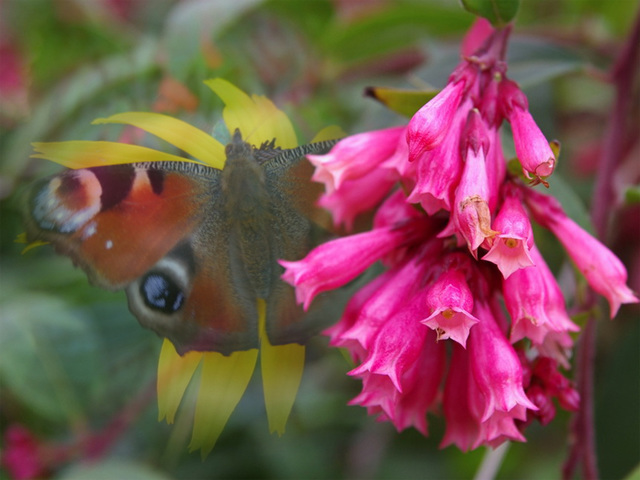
74 361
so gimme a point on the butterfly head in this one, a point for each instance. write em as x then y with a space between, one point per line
238 149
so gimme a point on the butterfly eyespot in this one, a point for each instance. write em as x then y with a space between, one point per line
161 293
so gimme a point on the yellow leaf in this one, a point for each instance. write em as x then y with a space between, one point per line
281 367
174 374
84 153
258 119
224 380
186 137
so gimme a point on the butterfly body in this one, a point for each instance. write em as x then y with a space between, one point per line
194 247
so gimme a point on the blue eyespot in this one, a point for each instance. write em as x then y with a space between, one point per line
161 293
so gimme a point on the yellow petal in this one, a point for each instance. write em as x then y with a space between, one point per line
332 132
174 374
84 153
281 367
224 380
258 119
186 137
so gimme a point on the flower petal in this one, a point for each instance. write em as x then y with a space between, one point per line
224 380
192 140
257 117
281 367
174 374
85 153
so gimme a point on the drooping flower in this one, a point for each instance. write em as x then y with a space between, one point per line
532 148
470 216
457 200
438 170
435 117
354 157
535 302
602 269
451 302
510 249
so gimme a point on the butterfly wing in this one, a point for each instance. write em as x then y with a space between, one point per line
299 225
155 229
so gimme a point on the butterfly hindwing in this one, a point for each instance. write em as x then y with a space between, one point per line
299 226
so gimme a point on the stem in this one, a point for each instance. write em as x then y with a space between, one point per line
623 75
492 462
99 443
582 424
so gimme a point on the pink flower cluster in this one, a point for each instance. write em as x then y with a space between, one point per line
466 318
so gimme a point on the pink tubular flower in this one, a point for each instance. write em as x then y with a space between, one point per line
479 32
438 170
535 303
495 366
496 169
335 263
398 343
420 382
471 218
431 123
602 269
451 302
510 249
400 285
23 454
357 196
546 382
434 303
532 147
338 333
463 428
353 157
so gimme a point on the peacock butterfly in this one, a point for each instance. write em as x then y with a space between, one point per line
193 246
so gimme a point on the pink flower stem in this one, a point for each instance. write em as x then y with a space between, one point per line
495 47
622 75
98 444
584 443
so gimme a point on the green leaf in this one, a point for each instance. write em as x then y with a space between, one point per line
42 361
402 101
398 26
632 195
498 12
